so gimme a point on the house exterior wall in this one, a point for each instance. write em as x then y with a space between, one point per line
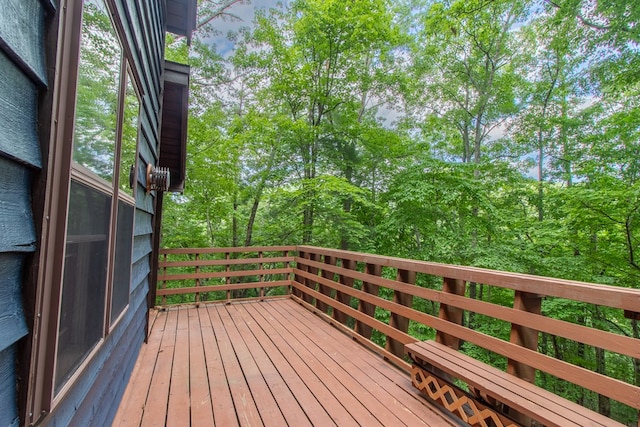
95 397
22 79
26 91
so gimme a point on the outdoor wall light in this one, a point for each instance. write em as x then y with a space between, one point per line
158 178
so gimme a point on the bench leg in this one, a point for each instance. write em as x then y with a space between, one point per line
457 401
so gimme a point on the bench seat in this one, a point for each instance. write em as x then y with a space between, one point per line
522 396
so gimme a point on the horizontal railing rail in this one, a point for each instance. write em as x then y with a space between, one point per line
386 303
214 274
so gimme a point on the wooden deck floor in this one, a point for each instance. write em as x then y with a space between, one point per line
270 363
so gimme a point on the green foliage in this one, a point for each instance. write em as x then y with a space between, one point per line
501 134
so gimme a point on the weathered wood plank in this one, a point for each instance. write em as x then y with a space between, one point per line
313 410
144 200
26 47
140 272
141 247
268 409
16 218
222 262
216 288
312 379
12 322
366 320
276 358
285 400
8 410
18 115
156 408
394 391
345 373
149 134
199 395
178 406
250 249
213 275
224 413
142 223
344 388
245 406
133 401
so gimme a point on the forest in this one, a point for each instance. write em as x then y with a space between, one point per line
502 134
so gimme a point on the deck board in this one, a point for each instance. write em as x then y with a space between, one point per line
270 363
155 409
178 407
366 368
200 396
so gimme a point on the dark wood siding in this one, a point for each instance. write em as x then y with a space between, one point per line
22 77
95 397
26 48
25 98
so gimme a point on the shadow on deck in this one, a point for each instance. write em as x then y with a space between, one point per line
271 363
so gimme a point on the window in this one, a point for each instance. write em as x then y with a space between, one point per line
100 217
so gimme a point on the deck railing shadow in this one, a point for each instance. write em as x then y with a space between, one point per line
386 303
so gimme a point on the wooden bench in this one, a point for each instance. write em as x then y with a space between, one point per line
431 359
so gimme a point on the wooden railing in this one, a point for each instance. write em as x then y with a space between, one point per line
214 274
386 302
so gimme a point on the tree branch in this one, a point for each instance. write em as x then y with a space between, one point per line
588 23
220 11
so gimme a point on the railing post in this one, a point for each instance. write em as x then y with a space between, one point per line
451 314
341 297
524 337
366 307
286 265
227 269
300 279
197 281
260 276
325 290
308 282
397 321
164 282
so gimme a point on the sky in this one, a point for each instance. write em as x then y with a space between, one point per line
246 12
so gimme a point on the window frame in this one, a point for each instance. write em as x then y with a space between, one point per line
126 77
62 169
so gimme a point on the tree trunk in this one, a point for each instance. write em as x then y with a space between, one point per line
234 221
252 218
604 403
307 223
346 206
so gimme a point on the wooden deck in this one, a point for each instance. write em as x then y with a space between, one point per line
270 363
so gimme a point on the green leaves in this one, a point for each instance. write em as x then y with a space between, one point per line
502 134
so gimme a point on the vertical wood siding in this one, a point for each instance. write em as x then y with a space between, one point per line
22 75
